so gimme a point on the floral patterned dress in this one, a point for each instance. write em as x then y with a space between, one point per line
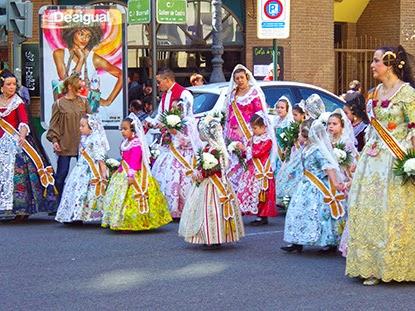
308 220
249 188
121 207
79 202
248 105
382 210
203 220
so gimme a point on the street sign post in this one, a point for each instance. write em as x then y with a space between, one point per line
273 22
139 12
171 11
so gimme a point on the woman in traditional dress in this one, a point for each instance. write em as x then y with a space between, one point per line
256 191
283 120
244 98
310 219
382 210
26 182
211 215
355 109
133 200
86 184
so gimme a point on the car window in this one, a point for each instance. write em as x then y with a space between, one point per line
273 93
204 102
330 102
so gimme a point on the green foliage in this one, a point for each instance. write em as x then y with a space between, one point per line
398 167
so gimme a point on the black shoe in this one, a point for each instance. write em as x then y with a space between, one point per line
211 246
328 249
292 248
260 221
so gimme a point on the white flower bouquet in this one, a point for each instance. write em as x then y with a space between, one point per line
233 149
112 165
208 162
172 120
343 156
405 167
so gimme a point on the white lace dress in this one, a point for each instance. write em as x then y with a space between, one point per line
79 202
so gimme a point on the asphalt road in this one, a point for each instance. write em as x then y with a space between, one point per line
48 266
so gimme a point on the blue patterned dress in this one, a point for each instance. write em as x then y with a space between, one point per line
308 220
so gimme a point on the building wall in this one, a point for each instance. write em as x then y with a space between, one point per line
407 25
381 20
309 52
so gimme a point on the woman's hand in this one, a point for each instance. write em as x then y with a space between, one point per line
79 53
240 146
340 187
56 147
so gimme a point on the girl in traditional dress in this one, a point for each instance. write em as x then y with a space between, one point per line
133 200
211 215
26 182
355 109
284 119
342 139
256 191
382 210
243 99
310 221
86 183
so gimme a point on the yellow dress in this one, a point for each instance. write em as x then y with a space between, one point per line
121 211
382 210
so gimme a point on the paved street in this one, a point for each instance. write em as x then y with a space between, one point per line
48 266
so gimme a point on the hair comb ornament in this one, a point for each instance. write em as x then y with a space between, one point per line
389 58
401 64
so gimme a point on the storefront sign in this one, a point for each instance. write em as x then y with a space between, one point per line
139 12
273 19
31 68
262 59
89 41
171 11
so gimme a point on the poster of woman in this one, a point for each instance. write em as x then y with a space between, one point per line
89 42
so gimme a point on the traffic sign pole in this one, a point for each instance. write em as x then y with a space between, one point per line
154 49
275 59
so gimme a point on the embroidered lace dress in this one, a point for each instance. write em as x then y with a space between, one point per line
121 207
248 105
308 220
382 210
203 221
250 187
79 202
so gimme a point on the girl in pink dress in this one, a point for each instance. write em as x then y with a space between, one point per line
256 191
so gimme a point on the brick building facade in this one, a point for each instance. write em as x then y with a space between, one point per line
309 52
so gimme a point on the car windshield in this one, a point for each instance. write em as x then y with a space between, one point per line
273 93
204 102
330 102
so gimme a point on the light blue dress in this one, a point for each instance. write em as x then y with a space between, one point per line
290 174
79 202
308 220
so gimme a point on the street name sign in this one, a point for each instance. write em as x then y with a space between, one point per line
171 11
273 19
139 12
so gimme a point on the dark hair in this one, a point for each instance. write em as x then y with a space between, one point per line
85 117
338 116
400 61
6 74
129 120
357 105
137 104
147 100
148 82
298 109
167 73
238 71
257 120
95 30
284 101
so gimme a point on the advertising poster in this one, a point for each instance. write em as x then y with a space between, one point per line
90 42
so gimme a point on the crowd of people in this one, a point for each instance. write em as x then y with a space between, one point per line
336 172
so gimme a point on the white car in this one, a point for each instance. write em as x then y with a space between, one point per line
211 97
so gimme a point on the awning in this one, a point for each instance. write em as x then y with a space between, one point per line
349 11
